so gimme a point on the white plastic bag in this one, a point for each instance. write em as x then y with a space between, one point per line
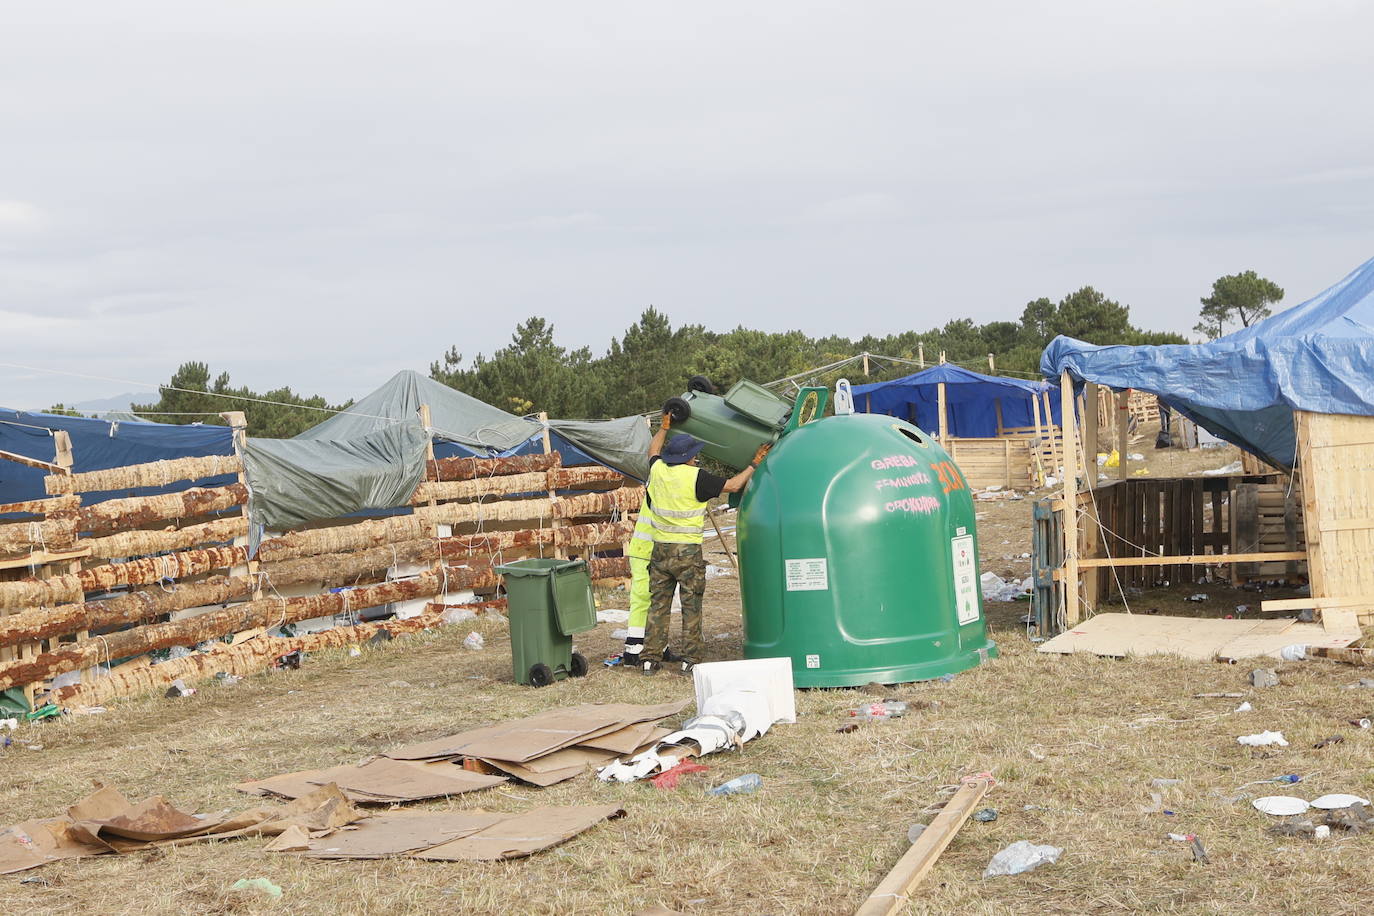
1021 857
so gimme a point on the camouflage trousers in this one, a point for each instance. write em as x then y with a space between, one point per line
681 567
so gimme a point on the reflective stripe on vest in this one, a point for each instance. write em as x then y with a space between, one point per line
675 512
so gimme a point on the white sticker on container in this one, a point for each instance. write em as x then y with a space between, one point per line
807 575
813 661
965 581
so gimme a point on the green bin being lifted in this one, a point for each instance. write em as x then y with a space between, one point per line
548 600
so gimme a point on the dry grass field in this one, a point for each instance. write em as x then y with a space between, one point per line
1073 742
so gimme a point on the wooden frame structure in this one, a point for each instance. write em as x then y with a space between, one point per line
1144 532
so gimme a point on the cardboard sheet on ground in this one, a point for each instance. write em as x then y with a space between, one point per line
523 835
378 781
1191 637
626 740
459 836
105 822
398 834
522 740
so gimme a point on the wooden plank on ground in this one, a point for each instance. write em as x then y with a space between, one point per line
893 893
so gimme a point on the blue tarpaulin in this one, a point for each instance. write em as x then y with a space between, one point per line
98 445
971 400
1244 387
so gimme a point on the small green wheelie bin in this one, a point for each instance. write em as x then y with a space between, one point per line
548 600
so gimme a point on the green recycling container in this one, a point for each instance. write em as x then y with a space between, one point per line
734 426
547 600
859 556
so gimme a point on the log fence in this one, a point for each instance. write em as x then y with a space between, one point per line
92 593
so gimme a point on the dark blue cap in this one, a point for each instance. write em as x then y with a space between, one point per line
681 449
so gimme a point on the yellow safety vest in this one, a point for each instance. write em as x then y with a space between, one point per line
676 515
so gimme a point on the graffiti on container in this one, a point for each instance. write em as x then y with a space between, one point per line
925 505
949 475
897 483
893 461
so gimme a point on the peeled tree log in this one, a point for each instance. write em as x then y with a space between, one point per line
536 482
137 511
474 468
23 537
152 474
508 510
60 589
567 478
343 538
247 657
332 570
589 535
35 624
626 499
266 612
61 505
141 543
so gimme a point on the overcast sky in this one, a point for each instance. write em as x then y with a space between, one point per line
321 193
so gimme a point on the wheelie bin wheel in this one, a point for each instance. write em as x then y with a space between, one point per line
541 675
701 383
579 665
678 409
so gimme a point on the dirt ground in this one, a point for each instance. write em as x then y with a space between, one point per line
1074 743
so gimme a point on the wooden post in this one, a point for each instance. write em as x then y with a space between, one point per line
992 365
558 552
720 535
942 357
238 422
1056 444
921 354
1039 440
427 422
944 417
64 460
997 409
1090 420
865 356
1123 425
1071 613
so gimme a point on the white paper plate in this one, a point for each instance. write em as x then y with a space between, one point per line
1280 805
1330 802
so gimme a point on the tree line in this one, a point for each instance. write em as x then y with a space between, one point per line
653 359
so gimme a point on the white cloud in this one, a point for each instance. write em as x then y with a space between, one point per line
19 215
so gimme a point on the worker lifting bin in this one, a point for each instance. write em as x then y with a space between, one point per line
547 600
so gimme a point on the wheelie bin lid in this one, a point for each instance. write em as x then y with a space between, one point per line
537 566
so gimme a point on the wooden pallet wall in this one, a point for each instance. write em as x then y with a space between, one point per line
1336 462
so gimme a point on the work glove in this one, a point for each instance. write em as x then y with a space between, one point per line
762 453
667 421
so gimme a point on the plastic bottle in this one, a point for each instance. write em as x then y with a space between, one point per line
885 709
740 785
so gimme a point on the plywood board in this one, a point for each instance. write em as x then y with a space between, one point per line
1191 637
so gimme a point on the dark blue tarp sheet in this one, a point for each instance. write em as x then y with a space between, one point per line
1244 387
971 400
100 444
